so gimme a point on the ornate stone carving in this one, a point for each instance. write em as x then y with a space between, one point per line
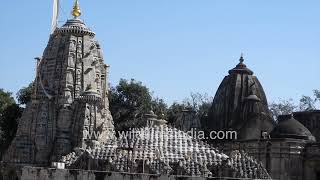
56 122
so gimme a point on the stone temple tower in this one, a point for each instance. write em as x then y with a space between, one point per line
240 104
69 107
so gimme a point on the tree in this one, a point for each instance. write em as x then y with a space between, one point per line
9 124
24 94
173 112
201 103
160 108
9 113
129 100
308 103
282 107
316 94
198 102
5 100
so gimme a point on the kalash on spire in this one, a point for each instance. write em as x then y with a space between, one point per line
69 107
76 12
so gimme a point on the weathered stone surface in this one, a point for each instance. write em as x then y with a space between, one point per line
30 173
311 120
240 104
161 149
69 101
291 128
187 120
69 121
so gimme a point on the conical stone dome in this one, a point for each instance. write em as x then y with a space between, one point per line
240 104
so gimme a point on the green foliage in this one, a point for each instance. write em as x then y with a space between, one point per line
9 113
173 112
160 108
5 100
129 100
200 103
24 94
9 124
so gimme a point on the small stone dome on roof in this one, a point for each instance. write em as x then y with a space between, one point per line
291 128
241 68
153 120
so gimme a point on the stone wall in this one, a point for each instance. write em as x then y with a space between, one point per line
311 120
32 173
284 159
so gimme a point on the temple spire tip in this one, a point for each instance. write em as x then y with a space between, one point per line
241 58
76 11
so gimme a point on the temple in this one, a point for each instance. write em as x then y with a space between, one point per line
66 132
69 101
288 149
240 104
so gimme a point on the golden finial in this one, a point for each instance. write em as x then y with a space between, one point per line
76 12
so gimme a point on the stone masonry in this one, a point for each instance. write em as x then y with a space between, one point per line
69 106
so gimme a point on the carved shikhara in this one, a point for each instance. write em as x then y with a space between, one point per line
69 99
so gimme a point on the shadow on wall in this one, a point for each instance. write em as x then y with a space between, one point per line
12 175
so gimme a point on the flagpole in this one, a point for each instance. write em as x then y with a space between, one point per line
55 16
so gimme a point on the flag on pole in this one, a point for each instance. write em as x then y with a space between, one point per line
55 15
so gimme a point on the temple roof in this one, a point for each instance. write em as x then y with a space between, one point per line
291 128
239 99
75 26
241 68
170 151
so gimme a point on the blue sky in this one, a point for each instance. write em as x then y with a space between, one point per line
178 46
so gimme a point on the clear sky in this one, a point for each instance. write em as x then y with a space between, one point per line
177 46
